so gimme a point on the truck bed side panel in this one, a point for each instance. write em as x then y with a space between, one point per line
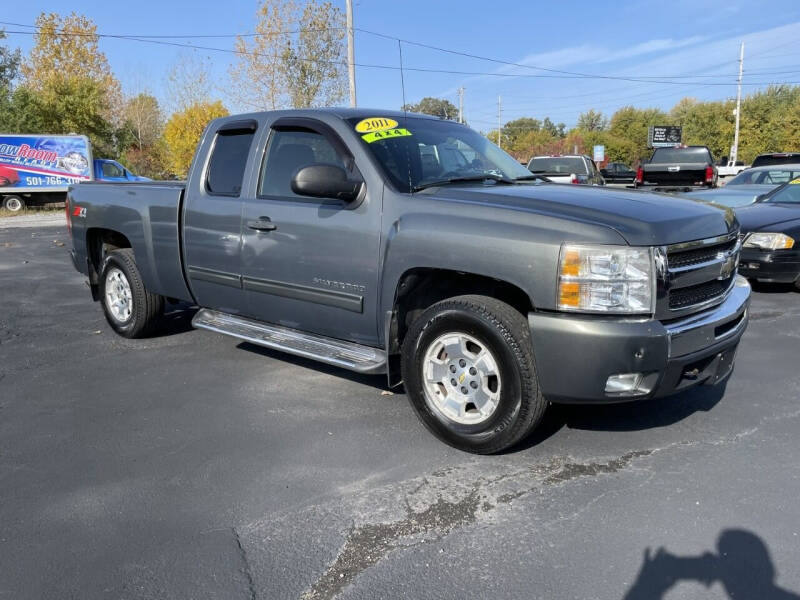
147 214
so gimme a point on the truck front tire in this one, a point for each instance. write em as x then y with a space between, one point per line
469 373
13 203
130 309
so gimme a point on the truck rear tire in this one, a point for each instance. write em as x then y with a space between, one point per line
130 309
13 203
469 373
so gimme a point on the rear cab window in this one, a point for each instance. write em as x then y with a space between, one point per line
681 155
226 165
557 165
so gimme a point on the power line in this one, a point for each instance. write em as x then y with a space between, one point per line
555 73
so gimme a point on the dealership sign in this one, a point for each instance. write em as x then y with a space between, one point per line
663 135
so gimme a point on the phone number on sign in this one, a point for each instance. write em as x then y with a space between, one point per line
50 180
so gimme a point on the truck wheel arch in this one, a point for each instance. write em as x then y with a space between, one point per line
419 288
99 243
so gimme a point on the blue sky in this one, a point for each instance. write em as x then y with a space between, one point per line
675 39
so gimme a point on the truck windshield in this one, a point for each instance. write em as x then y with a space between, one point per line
557 165
681 155
419 151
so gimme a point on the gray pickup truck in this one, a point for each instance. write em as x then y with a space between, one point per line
385 242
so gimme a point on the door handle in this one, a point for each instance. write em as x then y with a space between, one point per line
262 224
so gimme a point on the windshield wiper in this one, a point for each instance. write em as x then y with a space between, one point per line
530 178
489 176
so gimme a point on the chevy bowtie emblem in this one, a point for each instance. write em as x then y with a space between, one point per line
462 377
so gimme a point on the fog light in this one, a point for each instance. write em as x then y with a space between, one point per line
629 384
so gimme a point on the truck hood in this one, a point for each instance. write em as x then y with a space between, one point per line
642 218
766 214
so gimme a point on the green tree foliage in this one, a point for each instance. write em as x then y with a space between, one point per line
66 86
145 151
438 107
10 61
592 120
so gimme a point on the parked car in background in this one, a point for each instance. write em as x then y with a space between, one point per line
748 186
728 168
678 169
771 234
617 172
106 169
575 168
488 292
776 158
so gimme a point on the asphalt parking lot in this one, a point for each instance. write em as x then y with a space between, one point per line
194 466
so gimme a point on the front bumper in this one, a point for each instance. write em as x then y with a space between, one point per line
775 266
575 355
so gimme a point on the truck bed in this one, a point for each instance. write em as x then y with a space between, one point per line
148 214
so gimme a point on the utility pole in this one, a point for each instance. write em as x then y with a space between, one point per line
499 119
351 53
461 105
735 149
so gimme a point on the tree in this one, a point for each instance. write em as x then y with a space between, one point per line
592 120
67 48
632 124
188 82
9 64
183 131
438 107
144 118
296 58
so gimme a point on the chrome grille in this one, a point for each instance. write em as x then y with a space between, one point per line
698 274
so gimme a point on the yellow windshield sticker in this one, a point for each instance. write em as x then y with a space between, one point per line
794 181
382 135
375 124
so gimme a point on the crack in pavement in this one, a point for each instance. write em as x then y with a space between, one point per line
251 585
427 508
367 544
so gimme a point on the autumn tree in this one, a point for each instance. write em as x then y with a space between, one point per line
294 60
188 82
592 120
67 84
183 131
145 152
438 107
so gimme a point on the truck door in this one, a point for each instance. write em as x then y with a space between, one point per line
310 263
212 218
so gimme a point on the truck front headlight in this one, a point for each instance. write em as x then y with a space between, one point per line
606 279
769 241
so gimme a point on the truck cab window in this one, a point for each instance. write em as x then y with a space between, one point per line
111 169
290 150
228 160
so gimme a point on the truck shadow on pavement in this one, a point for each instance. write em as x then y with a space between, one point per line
628 416
741 565
375 381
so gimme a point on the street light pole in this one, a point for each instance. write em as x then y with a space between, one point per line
735 149
351 54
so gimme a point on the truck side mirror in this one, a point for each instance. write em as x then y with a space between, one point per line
325 181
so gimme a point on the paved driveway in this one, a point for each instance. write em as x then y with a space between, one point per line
194 466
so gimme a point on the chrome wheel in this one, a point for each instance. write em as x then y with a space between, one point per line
14 204
461 379
118 297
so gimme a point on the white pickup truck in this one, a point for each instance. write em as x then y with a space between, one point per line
730 168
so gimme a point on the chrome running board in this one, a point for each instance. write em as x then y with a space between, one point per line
355 357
